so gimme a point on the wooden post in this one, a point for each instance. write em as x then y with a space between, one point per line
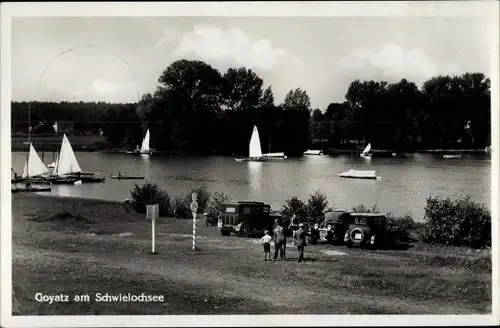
194 209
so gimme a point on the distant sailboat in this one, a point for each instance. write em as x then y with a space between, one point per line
66 162
145 148
366 151
32 175
254 148
145 144
34 167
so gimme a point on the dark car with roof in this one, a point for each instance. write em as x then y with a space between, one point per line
367 230
333 227
245 218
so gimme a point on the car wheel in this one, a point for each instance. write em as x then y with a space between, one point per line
225 232
244 230
348 244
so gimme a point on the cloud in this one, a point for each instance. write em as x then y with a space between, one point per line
232 47
390 62
110 87
169 36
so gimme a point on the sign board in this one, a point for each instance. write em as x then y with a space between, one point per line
194 206
152 212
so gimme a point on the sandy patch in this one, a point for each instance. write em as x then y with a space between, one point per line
332 252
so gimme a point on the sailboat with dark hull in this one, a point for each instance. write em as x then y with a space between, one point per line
32 178
67 169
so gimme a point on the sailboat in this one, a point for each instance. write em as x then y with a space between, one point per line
67 169
359 174
145 148
33 171
366 151
254 149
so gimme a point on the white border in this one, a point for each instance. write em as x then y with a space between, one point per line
249 9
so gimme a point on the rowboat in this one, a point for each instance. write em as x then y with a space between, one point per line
126 177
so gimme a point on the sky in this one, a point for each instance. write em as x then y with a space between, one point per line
117 59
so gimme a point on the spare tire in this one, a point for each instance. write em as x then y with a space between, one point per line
353 234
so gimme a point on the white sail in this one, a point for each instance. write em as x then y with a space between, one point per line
67 162
145 143
34 165
367 149
254 147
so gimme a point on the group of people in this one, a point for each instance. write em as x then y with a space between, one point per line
279 238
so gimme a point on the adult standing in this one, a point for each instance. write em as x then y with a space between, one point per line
279 241
294 225
300 237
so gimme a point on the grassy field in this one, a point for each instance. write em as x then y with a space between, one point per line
99 247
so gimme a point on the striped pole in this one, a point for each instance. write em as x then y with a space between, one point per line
194 231
194 209
153 234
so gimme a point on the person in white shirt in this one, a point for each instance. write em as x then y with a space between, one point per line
266 241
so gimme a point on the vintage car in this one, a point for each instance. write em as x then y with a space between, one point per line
367 230
334 226
245 218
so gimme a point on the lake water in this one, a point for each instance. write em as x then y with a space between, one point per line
405 184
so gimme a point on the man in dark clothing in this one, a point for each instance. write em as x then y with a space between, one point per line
300 237
279 241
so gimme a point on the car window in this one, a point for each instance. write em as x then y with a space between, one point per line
230 209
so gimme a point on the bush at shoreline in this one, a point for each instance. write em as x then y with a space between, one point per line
462 222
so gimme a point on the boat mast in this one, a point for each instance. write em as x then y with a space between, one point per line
29 141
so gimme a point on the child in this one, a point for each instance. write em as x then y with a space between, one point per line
266 241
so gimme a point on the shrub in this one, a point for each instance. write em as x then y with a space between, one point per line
459 223
399 227
363 209
294 206
150 193
316 206
180 207
181 204
215 205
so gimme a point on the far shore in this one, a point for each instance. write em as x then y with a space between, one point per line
180 152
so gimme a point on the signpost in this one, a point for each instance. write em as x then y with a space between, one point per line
152 212
194 209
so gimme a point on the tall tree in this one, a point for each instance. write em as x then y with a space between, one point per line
244 89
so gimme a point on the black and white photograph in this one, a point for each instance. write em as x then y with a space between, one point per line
299 163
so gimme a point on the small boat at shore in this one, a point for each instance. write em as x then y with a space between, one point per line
275 155
453 156
360 174
28 187
126 177
313 152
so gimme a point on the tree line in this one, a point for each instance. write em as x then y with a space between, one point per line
196 108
